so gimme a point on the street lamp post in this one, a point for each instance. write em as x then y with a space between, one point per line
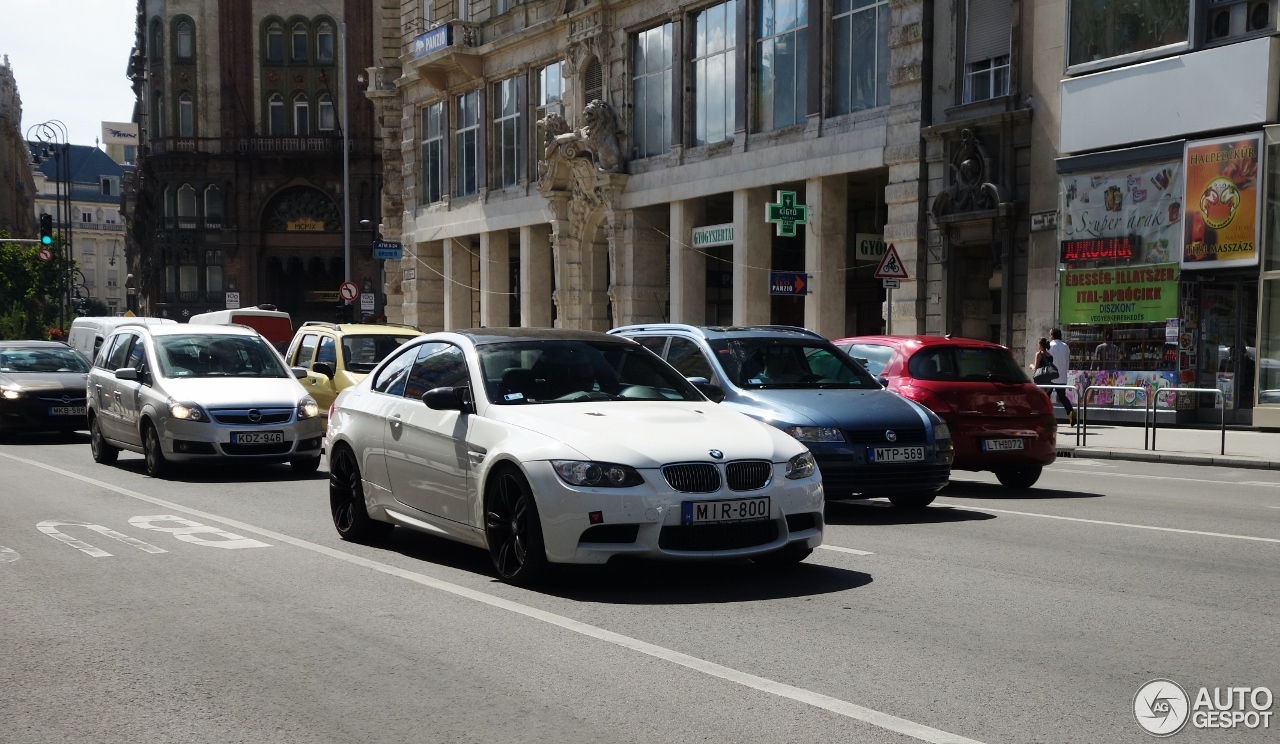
54 138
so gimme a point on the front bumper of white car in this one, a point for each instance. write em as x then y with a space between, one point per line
593 525
185 441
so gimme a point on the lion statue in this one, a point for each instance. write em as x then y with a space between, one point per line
600 132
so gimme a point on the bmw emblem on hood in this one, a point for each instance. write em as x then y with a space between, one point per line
716 454
891 435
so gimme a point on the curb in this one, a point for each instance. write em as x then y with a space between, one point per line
1171 458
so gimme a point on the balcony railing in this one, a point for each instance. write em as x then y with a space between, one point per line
193 223
318 144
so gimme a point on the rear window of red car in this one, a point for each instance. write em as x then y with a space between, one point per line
965 364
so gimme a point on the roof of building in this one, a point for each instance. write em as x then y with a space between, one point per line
89 165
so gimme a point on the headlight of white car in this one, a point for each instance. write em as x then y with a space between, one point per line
308 408
940 431
801 466
815 433
597 474
187 411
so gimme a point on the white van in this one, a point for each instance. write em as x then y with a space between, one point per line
274 325
88 333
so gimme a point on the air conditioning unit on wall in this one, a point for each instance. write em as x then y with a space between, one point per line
1232 20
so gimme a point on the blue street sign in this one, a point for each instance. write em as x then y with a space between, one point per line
432 41
388 250
788 283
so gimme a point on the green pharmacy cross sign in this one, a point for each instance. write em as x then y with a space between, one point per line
786 214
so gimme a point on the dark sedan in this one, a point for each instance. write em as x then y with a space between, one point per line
42 387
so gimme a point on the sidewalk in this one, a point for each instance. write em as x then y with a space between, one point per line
1245 449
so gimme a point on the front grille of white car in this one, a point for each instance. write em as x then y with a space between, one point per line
251 416
693 477
748 475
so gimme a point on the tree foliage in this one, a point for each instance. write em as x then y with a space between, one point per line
30 288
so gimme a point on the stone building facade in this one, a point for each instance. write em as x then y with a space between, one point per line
240 174
590 166
17 184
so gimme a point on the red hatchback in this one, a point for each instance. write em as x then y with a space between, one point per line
999 420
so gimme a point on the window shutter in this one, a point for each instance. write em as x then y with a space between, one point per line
593 82
987 30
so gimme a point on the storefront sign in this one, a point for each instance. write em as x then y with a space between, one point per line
387 250
1141 202
233 300
713 235
788 283
304 224
323 296
1099 249
1223 201
868 248
1133 294
432 41
786 214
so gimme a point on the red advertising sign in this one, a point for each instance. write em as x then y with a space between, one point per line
1098 249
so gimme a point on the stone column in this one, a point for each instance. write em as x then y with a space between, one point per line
535 276
639 291
825 245
688 267
495 279
752 247
422 288
457 284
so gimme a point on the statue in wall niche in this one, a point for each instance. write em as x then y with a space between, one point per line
597 139
970 189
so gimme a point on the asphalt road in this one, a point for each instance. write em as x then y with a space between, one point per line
993 616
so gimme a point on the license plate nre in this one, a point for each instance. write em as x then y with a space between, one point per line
1001 445
896 454
720 512
66 410
257 437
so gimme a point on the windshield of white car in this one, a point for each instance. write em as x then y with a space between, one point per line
523 372
363 353
190 356
787 364
49 360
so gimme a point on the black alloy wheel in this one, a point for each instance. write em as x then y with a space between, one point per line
912 500
346 501
512 529
1019 478
157 466
103 453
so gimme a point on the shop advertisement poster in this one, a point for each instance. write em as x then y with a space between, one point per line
1223 202
1129 294
1142 201
1226 382
1148 381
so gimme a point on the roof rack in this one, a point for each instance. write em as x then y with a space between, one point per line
326 324
398 325
794 329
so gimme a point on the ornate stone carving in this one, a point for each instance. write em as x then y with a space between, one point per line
596 141
302 208
970 189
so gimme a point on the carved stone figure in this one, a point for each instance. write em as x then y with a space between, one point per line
970 189
596 140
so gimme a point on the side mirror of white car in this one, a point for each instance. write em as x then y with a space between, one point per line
127 373
298 372
448 399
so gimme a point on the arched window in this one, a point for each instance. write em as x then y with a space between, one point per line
324 42
275 42
157 40
275 115
593 82
186 116
186 206
213 206
298 47
185 45
301 115
324 109
167 204
158 126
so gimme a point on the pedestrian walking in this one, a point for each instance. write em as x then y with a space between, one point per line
1107 354
1061 353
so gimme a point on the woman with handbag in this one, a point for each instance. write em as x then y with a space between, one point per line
1045 372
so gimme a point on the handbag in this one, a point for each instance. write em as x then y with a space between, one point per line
1045 375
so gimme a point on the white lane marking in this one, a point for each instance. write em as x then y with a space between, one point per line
1119 524
8 555
709 668
1167 477
188 530
50 528
850 551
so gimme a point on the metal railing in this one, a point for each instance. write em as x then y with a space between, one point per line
1075 389
1219 397
1082 432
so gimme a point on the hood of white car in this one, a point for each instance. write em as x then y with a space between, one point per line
650 434
233 392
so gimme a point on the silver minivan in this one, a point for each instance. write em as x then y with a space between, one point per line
184 393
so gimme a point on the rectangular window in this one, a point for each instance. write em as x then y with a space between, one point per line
213 279
860 59
106 187
432 153
301 117
186 116
987 29
547 99
325 110
988 78
188 278
508 104
90 278
782 62
715 72
171 279
113 278
1102 29
86 216
467 130
651 90
275 117
89 246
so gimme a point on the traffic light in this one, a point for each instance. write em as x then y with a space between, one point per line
46 229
